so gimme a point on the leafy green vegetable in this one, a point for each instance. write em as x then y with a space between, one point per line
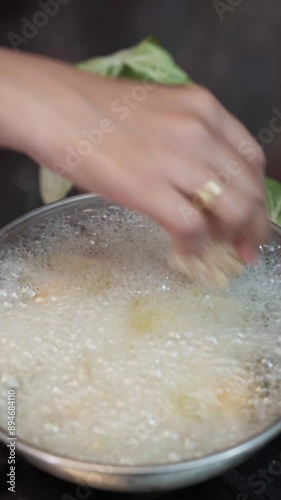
273 191
150 62
52 187
146 61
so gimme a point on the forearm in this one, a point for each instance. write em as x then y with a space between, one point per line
30 86
167 147
19 83
10 109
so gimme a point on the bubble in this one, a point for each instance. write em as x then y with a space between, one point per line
100 337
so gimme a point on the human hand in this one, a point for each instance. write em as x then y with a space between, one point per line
152 154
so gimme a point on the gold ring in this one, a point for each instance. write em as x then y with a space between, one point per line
207 195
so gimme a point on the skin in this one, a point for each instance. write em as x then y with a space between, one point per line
154 159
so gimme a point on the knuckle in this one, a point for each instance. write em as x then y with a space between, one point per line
206 99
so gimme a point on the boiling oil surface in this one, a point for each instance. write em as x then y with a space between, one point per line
115 358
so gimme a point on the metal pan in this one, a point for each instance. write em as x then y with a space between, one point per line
116 477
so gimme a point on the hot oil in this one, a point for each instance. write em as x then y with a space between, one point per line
117 359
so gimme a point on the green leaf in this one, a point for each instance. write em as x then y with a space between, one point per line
146 61
111 66
273 192
52 187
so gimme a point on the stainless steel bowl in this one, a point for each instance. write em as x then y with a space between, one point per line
116 477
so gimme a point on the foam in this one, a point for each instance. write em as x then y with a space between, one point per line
116 359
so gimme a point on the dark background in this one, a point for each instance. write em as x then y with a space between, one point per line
238 59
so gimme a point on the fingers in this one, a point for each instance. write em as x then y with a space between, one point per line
205 105
242 200
243 142
177 215
244 243
242 205
168 147
154 196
